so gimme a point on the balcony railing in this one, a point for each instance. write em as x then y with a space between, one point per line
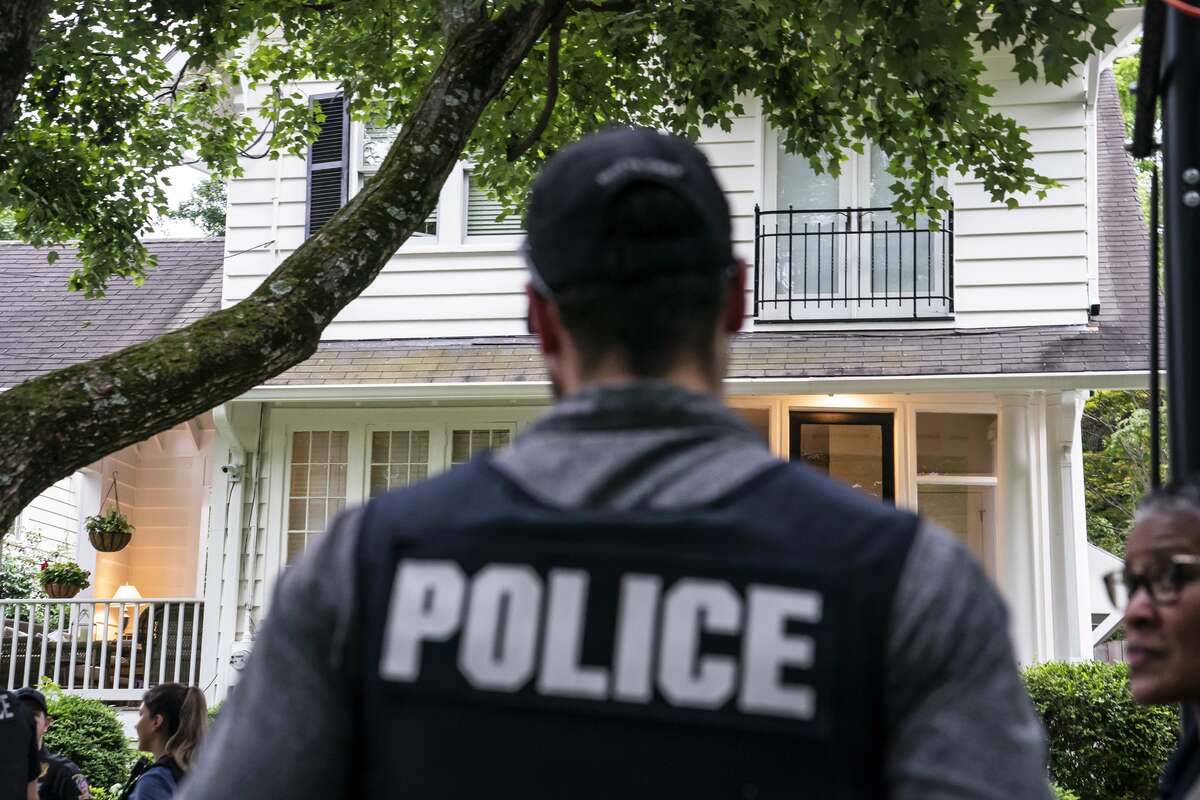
838 264
107 649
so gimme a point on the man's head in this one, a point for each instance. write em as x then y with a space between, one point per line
631 261
35 701
1162 579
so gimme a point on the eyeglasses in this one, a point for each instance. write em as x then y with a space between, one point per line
1163 581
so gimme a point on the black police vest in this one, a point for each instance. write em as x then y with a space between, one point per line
730 651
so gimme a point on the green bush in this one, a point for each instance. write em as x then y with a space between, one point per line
1102 745
88 733
1059 793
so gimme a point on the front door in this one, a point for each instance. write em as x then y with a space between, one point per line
857 449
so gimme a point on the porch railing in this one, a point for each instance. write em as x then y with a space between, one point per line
836 264
107 649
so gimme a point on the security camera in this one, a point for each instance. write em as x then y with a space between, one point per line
232 471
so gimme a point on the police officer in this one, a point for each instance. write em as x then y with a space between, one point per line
635 599
58 777
19 762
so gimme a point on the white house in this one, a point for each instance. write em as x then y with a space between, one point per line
944 371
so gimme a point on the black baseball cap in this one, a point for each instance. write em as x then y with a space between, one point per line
565 247
33 697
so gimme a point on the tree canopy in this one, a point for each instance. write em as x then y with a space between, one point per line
111 92
122 89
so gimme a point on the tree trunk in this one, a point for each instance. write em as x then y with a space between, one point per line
54 424
20 23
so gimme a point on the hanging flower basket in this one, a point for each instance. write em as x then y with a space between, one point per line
109 532
64 579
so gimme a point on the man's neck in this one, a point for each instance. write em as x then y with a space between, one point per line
685 377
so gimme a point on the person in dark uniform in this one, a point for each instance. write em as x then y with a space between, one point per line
634 599
58 778
19 761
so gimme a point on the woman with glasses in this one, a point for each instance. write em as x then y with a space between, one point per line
1159 588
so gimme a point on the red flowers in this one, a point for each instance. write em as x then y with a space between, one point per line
45 564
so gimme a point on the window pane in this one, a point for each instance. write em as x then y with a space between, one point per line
337 480
300 447
379 447
466 444
851 453
407 460
320 448
966 511
318 480
297 515
299 480
956 444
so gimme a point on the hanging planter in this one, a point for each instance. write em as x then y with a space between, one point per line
64 579
110 531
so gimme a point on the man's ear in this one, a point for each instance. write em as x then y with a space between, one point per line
543 321
735 298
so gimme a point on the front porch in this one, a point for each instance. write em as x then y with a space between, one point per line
141 620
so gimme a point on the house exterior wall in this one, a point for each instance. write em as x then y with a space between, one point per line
1012 267
1025 547
54 516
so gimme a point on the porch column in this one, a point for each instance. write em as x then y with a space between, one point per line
1020 562
88 501
1070 589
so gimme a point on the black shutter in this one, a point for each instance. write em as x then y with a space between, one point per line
328 163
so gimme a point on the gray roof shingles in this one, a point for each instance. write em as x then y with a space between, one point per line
45 327
42 326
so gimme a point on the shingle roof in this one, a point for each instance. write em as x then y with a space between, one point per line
45 327
1116 340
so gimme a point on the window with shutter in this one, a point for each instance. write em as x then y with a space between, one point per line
483 213
327 161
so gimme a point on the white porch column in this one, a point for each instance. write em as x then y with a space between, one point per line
88 498
1070 589
1021 568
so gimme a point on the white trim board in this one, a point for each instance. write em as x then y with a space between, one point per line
872 384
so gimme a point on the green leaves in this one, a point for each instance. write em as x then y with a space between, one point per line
106 110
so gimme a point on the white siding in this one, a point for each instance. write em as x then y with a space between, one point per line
1026 266
54 515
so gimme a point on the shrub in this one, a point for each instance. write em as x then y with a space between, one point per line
88 733
1059 793
1102 745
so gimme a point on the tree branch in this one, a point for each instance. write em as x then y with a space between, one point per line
457 15
518 147
64 420
20 23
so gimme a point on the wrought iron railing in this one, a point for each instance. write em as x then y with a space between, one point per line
813 265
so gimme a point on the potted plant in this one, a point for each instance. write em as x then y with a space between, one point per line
63 579
110 531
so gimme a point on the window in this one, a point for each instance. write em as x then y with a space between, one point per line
398 458
857 449
376 141
956 476
483 214
317 485
464 444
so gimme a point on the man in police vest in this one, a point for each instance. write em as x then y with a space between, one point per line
635 599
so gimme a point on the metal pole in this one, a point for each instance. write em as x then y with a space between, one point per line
1155 358
1181 215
